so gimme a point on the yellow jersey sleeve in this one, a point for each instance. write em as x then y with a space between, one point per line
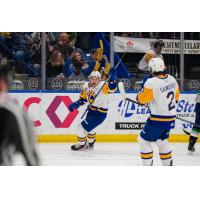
145 96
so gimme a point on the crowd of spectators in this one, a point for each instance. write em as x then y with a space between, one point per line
22 50
66 52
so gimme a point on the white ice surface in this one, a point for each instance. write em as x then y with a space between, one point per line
109 154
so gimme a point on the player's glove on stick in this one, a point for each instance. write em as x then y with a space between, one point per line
113 75
74 106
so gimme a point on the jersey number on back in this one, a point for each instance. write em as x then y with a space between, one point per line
170 96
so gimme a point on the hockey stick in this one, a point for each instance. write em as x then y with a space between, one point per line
184 120
186 132
90 104
123 94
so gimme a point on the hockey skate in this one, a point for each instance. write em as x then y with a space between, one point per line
171 163
192 142
191 149
90 146
78 147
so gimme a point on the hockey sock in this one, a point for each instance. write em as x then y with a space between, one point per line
81 137
91 137
146 151
81 141
147 158
164 152
166 158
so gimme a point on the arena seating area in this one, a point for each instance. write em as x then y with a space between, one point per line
22 52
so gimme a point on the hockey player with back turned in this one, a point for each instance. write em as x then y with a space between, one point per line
162 93
98 108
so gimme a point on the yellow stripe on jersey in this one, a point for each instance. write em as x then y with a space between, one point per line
93 108
98 109
177 94
103 111
162 120
166 156
146 96
146 155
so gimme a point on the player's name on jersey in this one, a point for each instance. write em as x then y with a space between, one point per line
168 87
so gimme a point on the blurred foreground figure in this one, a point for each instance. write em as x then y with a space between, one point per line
16 129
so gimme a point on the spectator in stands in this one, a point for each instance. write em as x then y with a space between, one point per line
5 37
154 52
6 53
64 45
35 53
55 65
75 67
21 46
84 40
53 37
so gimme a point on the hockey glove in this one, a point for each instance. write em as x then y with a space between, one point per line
74 106
113 75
